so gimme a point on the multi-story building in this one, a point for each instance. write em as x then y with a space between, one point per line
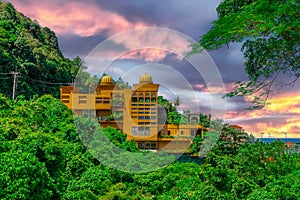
135 111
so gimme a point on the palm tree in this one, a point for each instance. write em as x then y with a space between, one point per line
177 101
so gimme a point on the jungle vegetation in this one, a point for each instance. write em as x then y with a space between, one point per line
42 155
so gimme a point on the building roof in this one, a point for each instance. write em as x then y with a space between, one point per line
236 126
106 80
146 78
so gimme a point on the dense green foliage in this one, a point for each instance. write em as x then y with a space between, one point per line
168 113
42 157
270 33
34 51
43 147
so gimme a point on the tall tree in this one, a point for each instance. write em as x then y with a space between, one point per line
269 31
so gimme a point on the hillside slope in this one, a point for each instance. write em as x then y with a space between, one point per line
35 52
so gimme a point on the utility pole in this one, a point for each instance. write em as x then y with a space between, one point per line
15 73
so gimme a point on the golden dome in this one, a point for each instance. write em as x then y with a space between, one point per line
106 80
146 78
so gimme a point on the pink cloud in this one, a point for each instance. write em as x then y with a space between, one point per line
85 18
148 54
80 18
215 89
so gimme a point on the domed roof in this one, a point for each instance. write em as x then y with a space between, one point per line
146 78
106 80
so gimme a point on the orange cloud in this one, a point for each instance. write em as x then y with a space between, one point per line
288 103
281 116
80 18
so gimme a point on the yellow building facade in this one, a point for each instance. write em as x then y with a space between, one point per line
133 111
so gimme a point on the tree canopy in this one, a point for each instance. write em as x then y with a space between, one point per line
43 157
269 31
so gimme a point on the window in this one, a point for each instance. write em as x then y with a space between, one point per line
141 145
144 123
147 145
81 99
169 132
141 131
147 131
134 99
65 97
194 120
182 132
98 100
141 97
153 97
106 100
134 130
193 132
147 98
153 145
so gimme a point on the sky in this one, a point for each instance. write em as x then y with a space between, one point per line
82 26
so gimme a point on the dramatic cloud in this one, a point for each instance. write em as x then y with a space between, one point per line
76 17
281 116
190 17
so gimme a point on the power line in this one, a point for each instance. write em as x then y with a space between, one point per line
18 74
47 82
5 78
51 83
